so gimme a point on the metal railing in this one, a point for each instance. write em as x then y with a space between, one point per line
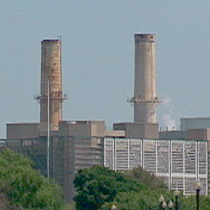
180 162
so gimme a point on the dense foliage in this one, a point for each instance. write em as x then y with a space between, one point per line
25 187
100 188
189 202
143 200
98 185
148 199
146 179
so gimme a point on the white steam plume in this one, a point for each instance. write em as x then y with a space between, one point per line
168 121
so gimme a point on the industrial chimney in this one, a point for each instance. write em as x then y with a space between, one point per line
51 84
145 97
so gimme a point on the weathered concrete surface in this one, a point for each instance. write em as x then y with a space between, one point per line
145 96
51 71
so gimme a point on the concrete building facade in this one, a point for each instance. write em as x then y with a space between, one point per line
76 145
145 95
51 96
145 98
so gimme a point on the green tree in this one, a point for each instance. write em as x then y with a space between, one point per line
149 200
146 178
98 185
25 187
100 188
189 202
146 199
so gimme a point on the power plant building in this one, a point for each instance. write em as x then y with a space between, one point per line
79 144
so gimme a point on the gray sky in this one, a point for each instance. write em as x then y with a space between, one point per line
98 57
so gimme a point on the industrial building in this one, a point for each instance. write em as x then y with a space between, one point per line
145 97
190 129
59 148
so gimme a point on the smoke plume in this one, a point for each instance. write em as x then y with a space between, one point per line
168 121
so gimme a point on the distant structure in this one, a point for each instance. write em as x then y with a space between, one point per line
194 123
145 97
73 145
190 129
51 84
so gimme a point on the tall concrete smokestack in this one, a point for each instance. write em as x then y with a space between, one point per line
145 96
51 74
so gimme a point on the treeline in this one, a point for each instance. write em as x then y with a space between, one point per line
26 188
99 188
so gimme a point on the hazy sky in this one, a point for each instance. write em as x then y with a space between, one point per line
98 57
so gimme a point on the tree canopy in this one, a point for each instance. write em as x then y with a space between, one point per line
25 187
99 185
145 199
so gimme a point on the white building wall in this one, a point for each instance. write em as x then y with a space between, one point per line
180 162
